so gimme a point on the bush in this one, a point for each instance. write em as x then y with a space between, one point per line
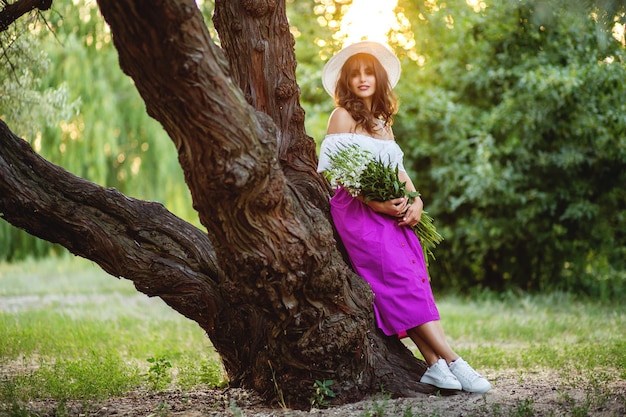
516 129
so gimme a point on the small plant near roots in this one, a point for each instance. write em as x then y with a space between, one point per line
158 376
162 410
380 409
581 410
322 393
408 412
235 410
279 392
61 409
524 408
211 375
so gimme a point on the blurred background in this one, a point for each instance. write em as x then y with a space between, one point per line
512 120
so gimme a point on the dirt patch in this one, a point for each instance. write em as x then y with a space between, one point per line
514 394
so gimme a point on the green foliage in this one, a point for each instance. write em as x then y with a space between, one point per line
194 372
111 141
28 106
379 409
516 130
361 174
322 393
524 408
158 376
25 103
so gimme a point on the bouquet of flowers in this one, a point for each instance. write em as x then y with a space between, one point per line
359 173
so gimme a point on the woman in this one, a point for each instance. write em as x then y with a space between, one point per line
378 237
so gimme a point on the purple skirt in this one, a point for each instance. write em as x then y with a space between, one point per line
390 258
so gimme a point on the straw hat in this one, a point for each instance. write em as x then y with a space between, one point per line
386 57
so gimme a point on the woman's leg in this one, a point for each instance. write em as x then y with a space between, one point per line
431 341
427 338
429 355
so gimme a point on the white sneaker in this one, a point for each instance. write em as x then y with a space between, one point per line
468 377
439 375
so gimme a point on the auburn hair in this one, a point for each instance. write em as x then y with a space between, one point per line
384 101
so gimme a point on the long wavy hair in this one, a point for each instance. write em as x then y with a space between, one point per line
384 101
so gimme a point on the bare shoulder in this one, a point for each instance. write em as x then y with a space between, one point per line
340 121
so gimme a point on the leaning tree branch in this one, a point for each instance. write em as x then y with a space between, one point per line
141 241
11 12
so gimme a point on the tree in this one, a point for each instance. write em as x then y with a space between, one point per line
266 281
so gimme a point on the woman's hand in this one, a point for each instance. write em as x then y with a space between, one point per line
413 213
393 208
408 214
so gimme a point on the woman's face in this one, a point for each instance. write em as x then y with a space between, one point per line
362 82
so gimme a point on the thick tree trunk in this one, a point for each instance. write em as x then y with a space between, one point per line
274 294
260 49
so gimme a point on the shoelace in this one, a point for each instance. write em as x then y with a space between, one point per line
467 372
449 376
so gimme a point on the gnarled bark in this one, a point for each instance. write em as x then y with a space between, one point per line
268 285
141 241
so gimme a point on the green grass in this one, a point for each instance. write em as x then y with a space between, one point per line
70 331
65 275
554 331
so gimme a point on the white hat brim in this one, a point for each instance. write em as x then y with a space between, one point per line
385 56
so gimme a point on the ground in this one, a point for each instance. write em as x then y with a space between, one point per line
514 394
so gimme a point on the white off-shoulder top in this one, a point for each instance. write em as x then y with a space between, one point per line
385 149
